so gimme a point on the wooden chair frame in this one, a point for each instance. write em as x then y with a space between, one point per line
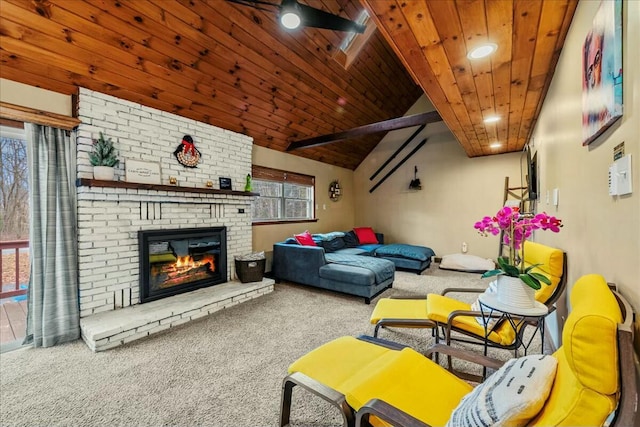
443 332
625 414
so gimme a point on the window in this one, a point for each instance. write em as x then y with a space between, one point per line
14 230
354 42
284 196
350 37
14 187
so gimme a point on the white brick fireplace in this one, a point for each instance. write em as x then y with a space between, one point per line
109 218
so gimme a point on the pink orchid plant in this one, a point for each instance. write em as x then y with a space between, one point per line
517 228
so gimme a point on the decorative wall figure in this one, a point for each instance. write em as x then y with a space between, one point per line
415 182
187 153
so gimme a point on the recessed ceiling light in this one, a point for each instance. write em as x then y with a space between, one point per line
491 119
290 14
290 20
482 51
495 145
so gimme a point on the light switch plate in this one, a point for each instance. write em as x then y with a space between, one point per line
623 175
556 196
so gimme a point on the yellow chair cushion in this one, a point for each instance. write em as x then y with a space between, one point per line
570 403
362 371
552 265
390 308
346 356
413 384
595 313
439 307
586 385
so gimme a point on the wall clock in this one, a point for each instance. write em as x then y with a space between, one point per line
335 191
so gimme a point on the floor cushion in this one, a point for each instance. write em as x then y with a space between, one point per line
467 263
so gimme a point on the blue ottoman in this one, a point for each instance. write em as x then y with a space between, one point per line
407 257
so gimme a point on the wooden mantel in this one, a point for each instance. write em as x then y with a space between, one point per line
86 182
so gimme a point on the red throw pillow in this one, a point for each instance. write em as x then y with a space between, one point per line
305 239
365 235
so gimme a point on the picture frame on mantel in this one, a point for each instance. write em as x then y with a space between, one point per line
142 172
225 183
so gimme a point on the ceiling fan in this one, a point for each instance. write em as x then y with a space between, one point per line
292 15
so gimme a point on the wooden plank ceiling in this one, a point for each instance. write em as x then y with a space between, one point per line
234 67
432 38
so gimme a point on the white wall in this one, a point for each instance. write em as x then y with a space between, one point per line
601 233
456 190
331 215
150 135
34 97
109 218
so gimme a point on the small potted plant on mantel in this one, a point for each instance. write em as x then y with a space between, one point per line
103 158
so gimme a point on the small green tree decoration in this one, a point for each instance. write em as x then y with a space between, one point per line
104 153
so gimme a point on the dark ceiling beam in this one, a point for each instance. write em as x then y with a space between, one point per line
384 126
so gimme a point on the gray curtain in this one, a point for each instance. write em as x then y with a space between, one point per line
54 315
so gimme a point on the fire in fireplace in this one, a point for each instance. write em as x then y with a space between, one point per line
181 260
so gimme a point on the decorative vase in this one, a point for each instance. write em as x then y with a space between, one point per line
103 173
514 292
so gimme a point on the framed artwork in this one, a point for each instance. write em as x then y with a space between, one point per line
602 71
225 183
142 172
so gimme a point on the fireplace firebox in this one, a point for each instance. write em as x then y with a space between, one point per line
181 260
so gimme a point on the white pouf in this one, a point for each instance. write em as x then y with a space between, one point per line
466 262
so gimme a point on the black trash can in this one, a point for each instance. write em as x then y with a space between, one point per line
250 270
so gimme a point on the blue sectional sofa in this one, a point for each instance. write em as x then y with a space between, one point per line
340 263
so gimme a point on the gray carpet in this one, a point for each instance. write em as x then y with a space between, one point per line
223 370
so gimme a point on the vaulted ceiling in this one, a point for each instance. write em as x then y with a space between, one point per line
234 67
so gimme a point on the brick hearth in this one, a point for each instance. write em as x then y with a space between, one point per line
110 329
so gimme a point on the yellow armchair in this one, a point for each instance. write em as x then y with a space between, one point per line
450 314
375 382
